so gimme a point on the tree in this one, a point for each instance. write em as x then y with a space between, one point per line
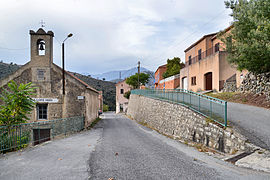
127 94
133 80
173 67
16 103
105 108
248 43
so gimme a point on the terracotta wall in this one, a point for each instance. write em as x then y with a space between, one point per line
158 75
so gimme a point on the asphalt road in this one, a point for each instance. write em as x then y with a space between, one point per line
130 151
118 148
253 122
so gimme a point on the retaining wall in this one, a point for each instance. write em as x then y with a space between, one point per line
182 123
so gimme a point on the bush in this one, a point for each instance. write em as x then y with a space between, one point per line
127 94
105 108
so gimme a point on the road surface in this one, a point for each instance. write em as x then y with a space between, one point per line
253 122
118 148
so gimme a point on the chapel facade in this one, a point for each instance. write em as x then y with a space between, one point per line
79 98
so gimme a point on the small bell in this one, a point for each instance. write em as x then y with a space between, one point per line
41 47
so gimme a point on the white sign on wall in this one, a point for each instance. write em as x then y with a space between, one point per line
80 97
46 100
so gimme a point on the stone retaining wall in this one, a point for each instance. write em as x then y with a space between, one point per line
182 123
257 84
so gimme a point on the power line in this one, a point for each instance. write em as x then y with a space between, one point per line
10 49
170 49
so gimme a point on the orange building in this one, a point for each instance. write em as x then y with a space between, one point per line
206 66
158 76
171 82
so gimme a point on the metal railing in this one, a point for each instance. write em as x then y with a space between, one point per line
213 108
204 54
19 136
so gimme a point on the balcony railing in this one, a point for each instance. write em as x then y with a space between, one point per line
203 55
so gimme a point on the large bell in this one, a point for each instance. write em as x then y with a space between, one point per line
41 46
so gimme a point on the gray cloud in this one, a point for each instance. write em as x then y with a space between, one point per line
110 34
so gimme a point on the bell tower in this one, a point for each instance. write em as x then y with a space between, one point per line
41 47
41 59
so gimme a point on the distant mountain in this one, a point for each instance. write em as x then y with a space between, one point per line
113 75
107 88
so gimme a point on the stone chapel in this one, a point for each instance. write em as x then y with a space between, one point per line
79 98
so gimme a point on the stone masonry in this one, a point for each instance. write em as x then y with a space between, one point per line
182 123
257 84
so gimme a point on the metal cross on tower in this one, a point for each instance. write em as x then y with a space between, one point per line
42 23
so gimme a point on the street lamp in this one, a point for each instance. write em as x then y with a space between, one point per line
63 61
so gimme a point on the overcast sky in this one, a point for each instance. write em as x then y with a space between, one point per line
109 34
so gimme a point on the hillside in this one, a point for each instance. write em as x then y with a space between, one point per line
7 69
108 89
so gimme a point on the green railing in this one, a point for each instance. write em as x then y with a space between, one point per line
19 136
213 108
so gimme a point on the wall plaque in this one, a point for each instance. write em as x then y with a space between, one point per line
46 100
80 97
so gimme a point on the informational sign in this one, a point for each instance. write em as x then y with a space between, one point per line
46 100
80 97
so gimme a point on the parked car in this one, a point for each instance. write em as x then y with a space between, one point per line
99 112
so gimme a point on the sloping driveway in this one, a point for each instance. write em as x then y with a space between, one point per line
253 122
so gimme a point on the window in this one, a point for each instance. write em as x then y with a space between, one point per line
42 111
193 80
189 60
40 74
217 47
200 54
121 91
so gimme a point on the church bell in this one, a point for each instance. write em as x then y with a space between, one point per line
41 47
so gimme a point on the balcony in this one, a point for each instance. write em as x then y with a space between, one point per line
203 55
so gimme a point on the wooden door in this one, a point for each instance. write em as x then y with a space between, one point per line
208 81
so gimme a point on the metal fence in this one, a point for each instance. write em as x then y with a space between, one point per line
210 107
19 136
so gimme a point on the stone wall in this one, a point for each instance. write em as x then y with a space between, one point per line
251 83
229 87
257 84
182 123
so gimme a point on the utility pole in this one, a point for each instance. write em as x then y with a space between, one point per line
63 67
139 74
63 61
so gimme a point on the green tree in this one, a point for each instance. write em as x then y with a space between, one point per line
127 94
105 108
133 80
248 43
16 103
173 67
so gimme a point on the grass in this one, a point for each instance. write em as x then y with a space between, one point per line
143 123
243 98
227 96
94 123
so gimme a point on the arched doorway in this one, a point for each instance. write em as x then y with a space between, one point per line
184 83
208 81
